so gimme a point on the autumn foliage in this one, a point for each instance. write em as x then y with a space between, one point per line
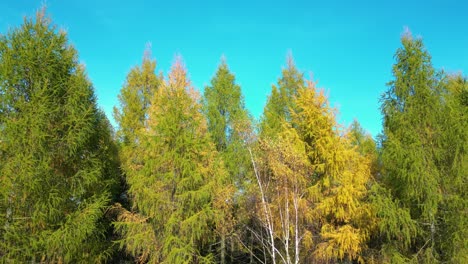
191 177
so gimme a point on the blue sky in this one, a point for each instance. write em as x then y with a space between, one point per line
348 46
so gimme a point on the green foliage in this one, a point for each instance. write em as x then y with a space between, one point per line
410 109
365 145
186 170
224 108
280 103
202 187
228 122
453 219
423 153
395 223
134 99
175 192
362 140
58 166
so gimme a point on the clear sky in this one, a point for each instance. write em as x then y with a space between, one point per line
348 46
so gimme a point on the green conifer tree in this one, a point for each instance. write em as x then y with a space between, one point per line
134 98
132 115
365 145
58 166
280 103
174 204
411 109
452 240
228 121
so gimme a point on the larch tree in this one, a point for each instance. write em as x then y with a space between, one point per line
134 98
141 84
366 146
58 163
392 226
276 116
282 172
312 185
339 176
280 103
410 108
452 220
362 140
228 121
174 204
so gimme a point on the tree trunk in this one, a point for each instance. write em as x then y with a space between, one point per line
223 249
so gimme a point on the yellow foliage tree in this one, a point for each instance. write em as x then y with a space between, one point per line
282 171
339 175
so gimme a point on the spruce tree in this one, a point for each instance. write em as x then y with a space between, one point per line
58 166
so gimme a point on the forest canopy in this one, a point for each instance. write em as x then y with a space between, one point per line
190 176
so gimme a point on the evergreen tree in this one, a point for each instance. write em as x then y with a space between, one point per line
174 204
228 122
58 166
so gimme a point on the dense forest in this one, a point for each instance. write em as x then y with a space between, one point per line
189 176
